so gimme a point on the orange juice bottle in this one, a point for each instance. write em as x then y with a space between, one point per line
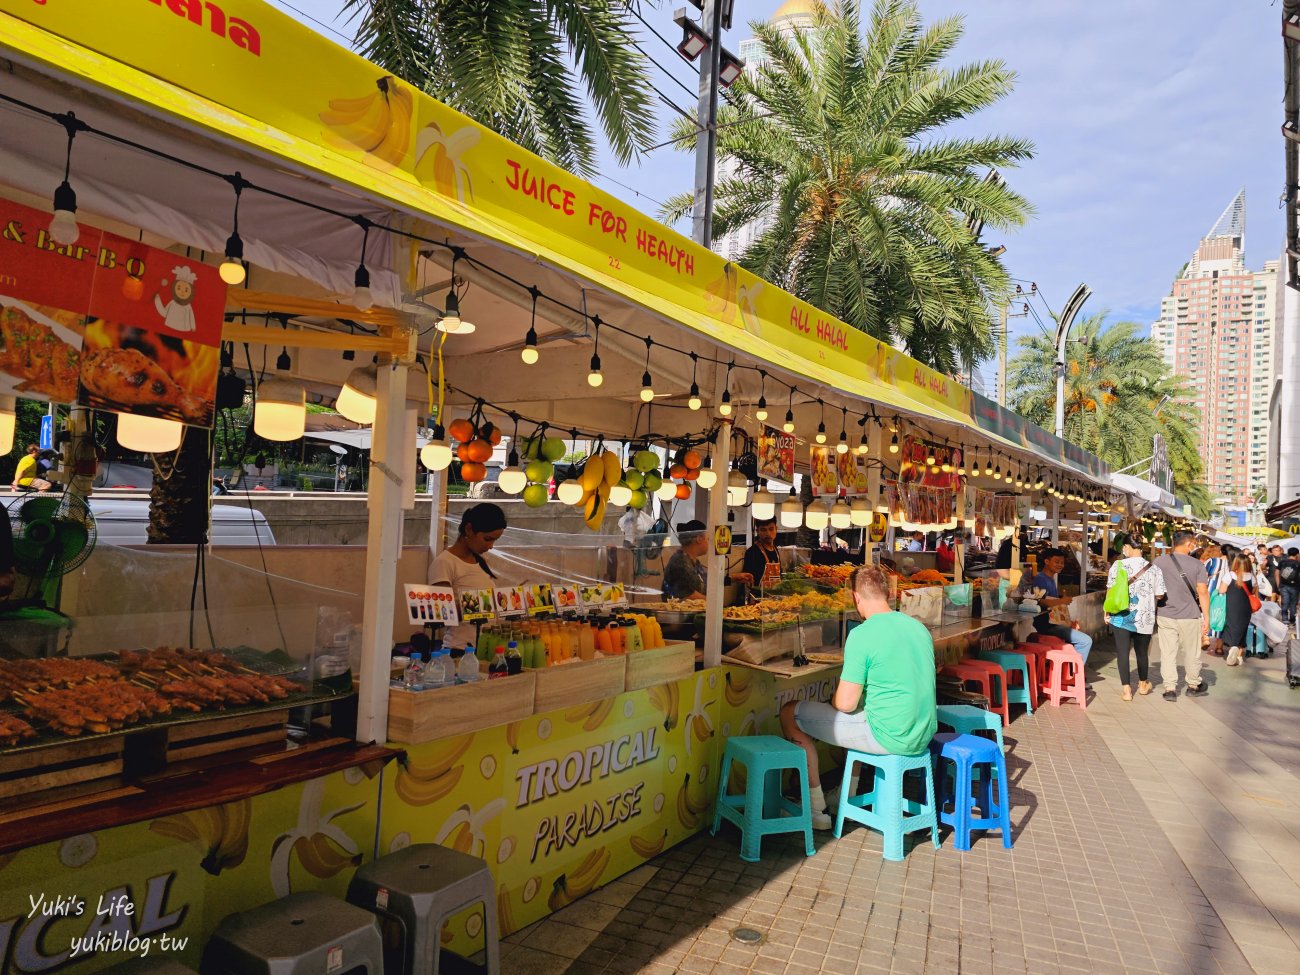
616 643
586 640
658 631
647 634
602 640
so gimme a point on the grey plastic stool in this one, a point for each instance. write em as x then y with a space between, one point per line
302 934
149 966
418 888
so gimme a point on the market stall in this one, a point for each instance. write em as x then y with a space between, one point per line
506 304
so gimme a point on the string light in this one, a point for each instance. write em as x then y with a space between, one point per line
357 397
594 378
232 269
788 426
647 387
64 230
761 413
707 476
724 405
569 492
436 454
791 511
451 322
841 514
946 466
860 512
988 463
362 299
816 517
821 426
694 402
763 504
961 460
893 442
529 352
843 446
882 504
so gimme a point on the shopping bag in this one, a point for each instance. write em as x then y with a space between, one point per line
1218 612
1117 600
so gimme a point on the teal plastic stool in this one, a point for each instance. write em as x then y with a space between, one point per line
965 719
762 810
1011 661
884 808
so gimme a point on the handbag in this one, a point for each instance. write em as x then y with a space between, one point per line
1218 612
1255 604
1117 600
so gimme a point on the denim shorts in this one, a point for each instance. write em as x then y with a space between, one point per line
823 722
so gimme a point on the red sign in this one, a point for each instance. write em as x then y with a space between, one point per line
776 455
107 322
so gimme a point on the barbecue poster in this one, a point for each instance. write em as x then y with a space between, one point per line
776 455
106 322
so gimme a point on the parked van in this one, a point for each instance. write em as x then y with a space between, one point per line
125 521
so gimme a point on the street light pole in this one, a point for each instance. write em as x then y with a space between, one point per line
707 115
1063 326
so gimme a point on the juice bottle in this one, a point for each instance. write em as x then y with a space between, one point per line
632 641
571 641
514 660
586 640
602 640
499 667
483 649
658 631
615 638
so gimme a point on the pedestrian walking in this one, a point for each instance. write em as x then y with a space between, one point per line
1132 628
1216 570
1288 583
1238 610
1183 620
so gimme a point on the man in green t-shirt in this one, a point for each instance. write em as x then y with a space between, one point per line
885 701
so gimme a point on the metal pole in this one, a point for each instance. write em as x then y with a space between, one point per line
1002 358
707 116
1060 382
717 564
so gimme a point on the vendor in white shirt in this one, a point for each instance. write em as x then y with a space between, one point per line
462 566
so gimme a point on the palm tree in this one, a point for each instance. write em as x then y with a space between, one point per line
516 66
1119 393
835 146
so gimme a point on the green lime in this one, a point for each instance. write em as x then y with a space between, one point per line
535 495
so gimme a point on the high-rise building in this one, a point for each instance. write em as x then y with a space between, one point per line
791 17
1216 330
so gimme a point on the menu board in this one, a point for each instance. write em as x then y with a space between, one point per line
566 598
476 604
539 599
510 602
107 322
776 455
852 475
825 479
431 604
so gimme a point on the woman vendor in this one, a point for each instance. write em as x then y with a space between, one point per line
461 565
684 576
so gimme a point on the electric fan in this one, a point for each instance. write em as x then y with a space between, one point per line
53 534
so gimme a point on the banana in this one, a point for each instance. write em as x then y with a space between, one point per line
665 698
505 917
461 838
397 139
436 759
613 468
593 473
737 687
569 887
647 848
357 123
687 815
749 725
221 832
322 857
590 716
560 896
512 736
698 799
438 160
701 728
418 790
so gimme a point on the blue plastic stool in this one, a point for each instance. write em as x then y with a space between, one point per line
966 752
1011 661
884 808
966 719
762 809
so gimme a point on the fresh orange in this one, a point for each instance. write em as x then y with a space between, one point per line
493 434
692 460
461 430
470 471
683 492
691 474
479 451
462 452
677 471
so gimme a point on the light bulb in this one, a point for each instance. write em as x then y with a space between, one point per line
232 269
569 492
281 410
147 434
451 322
860 512
763 505
708 477
436 454
695 402
930 458
842 447
362 299
791 512
788 426
893 444
357 397
961 469
63 227
647 390
528 354
512 480
737 489
863 448
620 495
724 405
760 414
594 378
667 491
8 422
817 517
821 433
841 514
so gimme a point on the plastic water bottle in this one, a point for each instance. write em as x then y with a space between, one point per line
398 667
435 674
413 679
467 669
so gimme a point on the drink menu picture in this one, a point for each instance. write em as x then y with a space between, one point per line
431 604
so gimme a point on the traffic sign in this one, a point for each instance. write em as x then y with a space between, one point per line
47 432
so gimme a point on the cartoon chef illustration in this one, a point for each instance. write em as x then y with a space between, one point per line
177 313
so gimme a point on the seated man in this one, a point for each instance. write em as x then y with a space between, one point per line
885 702
1053 563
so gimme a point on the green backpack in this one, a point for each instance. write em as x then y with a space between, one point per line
1117 600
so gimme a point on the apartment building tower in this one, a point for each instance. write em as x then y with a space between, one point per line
1216 330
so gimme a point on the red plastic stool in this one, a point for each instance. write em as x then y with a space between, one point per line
1037 651
984 673
1047 640
1066 678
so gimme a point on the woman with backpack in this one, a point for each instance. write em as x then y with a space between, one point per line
1138 582
1241 601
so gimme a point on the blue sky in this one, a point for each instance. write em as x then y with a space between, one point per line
1148 116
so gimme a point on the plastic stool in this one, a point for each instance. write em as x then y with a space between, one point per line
1066 679
1048 640
1013 663
884 808
302 934
966 752
149 966
763 755
1038 651
991 678
966 720
417 889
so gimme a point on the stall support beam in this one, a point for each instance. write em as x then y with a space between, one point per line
384 546
717 566
959 544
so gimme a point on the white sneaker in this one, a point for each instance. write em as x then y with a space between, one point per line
1234 656
822 821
